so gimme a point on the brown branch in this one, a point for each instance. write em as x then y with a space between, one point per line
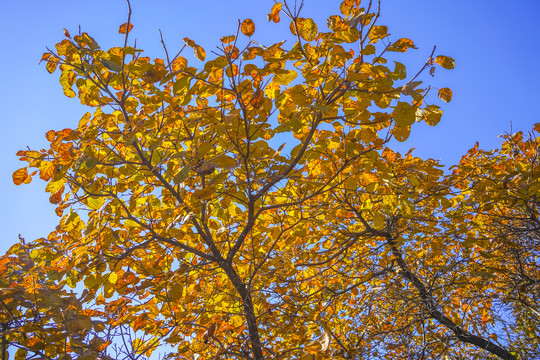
431 307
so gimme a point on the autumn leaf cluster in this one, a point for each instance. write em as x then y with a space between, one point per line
252 207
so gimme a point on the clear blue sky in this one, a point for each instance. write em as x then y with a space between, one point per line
496 45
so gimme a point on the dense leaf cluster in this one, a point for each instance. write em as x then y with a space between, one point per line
253 208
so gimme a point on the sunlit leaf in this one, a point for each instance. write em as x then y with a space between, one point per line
95 202
111 65
401 133
272 90
347 6
19 176
402 45
285 78
247 27
307 29
228 39
404 114
445 61
377 33
125 28
51 66
274 12
46 170
113 278
432 115
198 51
445 94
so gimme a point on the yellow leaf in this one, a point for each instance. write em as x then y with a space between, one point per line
347 6
236 321
445 94
66 80
20 354
272 90
55 186
404 114
286 77
402 45
113 278
95 202
432 115
46 170
204 194
401 133
51 66
445 61
378 32
274 12
307 29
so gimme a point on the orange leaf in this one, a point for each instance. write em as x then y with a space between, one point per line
485 317
56 197
189 42
62 134
139 322
248 27
50 135
125 28
274 12
232 51
228 39
20 176
199 53
180 63
45 56
257 98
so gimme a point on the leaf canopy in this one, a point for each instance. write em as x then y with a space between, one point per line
253 208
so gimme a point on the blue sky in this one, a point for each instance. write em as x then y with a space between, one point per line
496 45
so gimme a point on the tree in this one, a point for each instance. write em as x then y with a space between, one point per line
254 209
